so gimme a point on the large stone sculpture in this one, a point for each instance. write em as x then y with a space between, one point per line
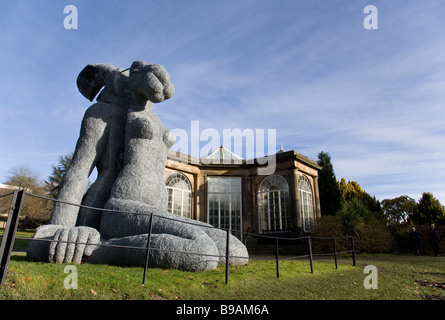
128 145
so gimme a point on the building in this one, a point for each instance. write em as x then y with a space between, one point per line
228 191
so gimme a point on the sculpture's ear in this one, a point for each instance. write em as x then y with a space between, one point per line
92 78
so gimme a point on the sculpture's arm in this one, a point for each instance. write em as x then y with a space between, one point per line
88 150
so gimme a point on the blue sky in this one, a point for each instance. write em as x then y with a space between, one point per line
373 99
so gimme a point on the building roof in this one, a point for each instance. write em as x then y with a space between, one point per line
223 154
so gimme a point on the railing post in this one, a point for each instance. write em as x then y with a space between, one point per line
309 242
335 253
227 255
276 256
10 231
147 254
353 251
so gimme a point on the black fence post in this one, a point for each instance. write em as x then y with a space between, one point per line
147 254
353 251
335 253
276 256
10 231
227 255
309 242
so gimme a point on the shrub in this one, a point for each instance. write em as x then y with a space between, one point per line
327 226
401 242
370 235
373 237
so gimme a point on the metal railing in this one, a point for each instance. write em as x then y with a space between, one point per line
18 196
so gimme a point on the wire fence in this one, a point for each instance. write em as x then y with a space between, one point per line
291 247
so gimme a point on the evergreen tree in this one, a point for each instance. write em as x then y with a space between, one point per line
352 189
429 210
54 180
330 196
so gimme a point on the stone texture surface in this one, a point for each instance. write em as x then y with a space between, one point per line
100 145
61 251
128 144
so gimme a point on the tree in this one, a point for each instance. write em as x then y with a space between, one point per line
330 196
352 189
54 180
429 210
24 177
398 210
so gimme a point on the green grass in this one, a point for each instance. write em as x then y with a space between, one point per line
399 277
20 244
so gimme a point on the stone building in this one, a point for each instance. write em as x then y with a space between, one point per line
227 191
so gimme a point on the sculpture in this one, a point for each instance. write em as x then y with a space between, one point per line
128 144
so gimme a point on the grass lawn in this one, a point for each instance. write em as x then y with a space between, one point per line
20 244
399 277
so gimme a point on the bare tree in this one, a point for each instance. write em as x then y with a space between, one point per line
24 177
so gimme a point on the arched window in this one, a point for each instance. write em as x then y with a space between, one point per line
306 207
179 195
273 203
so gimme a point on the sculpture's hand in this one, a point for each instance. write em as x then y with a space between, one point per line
73 252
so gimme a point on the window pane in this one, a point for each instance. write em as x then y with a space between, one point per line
170 200
285 220
224 184
213 210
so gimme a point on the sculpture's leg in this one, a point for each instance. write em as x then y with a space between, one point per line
118 225
196 253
